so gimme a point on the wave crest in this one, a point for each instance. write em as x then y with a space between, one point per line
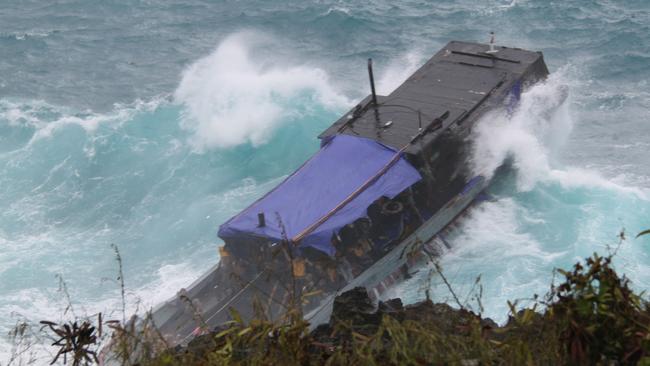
232 99
530 137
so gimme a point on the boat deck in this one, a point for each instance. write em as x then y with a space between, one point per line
446 90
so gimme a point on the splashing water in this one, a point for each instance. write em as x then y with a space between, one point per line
152 177
526 135
232 99
542 216
531 136
398 70
115 127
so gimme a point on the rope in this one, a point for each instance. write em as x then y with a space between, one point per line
228 303
371 180
349 198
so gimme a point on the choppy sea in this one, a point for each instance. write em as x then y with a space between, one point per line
146 124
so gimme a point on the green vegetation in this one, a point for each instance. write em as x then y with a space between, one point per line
591 318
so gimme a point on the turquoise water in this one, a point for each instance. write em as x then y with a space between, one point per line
146 125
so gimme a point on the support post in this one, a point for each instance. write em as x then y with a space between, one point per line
372 82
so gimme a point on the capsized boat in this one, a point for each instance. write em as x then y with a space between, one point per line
391 175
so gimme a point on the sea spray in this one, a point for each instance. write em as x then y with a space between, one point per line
231 98
539 124
531 137
397 70
73 182
95 55
542 214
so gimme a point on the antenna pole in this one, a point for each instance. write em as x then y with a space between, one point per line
372 82
492 49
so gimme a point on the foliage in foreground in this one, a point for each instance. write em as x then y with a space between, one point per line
592 317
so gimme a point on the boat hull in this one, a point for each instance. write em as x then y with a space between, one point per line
426 242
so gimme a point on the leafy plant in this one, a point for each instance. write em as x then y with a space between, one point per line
74 340
599 316
644 232
592 317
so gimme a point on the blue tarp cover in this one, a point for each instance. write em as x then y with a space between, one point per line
343 165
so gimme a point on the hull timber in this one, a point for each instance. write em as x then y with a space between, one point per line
415 250
428 118
425 242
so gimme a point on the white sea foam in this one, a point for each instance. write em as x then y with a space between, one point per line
45 119
531 136
494 227
91 121
34 33
397 71
33 305
233 99
557 215
489 243
337 9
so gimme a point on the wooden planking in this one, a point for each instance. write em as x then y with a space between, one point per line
457 79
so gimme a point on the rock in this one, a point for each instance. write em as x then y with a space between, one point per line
199 347
442 316
351 304
390 306
488 323
355 309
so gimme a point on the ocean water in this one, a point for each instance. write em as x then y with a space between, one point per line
146 124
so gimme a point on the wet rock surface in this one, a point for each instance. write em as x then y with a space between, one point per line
354 312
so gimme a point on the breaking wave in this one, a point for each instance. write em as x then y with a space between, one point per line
74 181
397 70
542 214
531 137
232 98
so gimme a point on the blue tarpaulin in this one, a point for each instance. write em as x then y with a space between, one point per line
332 189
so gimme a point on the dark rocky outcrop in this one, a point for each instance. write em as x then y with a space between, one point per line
354 311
